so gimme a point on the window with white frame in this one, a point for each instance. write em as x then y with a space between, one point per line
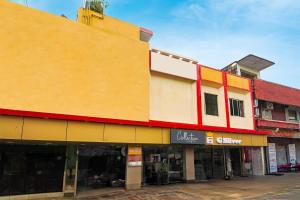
236 107
292 115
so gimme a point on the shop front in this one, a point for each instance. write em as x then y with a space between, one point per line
101 166
164 164
229 155
31 168
283 154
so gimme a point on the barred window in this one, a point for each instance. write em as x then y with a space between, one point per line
211 104
236 107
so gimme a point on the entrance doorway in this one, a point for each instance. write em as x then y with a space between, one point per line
233 161
101 166
162 164
209 162
216 162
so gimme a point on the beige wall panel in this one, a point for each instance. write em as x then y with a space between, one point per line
133 173
211 120
119 133
44 129
148 135
245 122
189 166
173 66
11 127
85 132
173 99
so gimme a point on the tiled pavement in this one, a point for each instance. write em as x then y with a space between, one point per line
266 187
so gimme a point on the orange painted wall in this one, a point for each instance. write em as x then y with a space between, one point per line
237 82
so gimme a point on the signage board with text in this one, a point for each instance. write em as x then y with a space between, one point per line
182 136
272 157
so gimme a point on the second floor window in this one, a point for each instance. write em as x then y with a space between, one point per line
211 104
292 115
236 107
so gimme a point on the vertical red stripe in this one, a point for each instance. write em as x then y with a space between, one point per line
252 103
199 100
149 59
226 98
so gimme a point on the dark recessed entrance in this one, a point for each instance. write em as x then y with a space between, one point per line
101 166
214 162
162 164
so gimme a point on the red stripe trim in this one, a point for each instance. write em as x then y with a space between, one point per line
157 123
150 64
69 117
226 99
127 122
252 103
199 99
234 130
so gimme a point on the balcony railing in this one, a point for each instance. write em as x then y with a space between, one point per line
277 124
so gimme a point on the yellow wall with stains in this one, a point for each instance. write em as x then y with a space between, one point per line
54 65
38 129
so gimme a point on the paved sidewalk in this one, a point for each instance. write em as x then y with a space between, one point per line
266 187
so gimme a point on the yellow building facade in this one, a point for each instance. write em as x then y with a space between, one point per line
91 96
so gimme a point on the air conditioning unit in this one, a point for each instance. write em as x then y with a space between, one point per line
269 106
255 103
266 114
256 112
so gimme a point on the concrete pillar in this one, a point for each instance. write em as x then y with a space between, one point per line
263 160
70 174
189 166
134 168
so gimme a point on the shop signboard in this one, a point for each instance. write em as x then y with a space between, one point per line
272 157
134 156
224 140
182 136
292 154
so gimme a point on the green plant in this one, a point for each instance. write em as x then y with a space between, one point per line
98 5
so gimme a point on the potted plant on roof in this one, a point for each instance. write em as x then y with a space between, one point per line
97 5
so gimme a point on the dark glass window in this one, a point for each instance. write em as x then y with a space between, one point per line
28 169
101 166
236 107
292 115
211 104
